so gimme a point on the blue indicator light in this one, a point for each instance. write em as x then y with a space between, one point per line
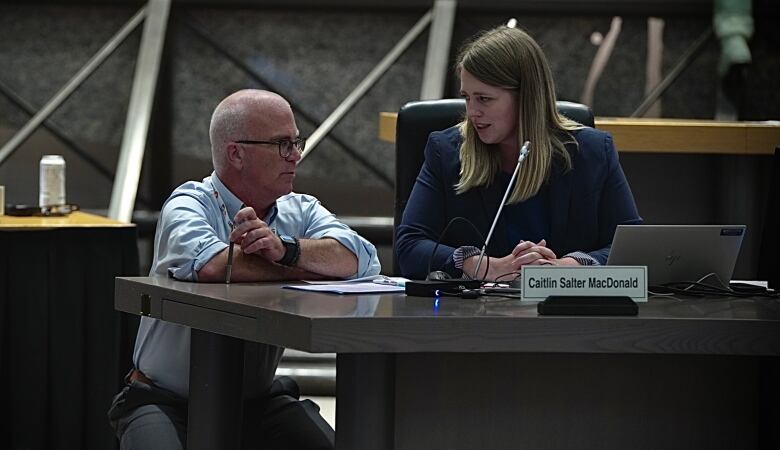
436 303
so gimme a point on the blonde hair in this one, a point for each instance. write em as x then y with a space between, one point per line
510 59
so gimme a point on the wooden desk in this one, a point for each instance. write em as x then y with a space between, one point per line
413 373
77 219
63 347
668 135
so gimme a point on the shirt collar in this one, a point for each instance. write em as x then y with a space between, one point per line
234 204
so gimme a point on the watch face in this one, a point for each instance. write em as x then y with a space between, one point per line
287 239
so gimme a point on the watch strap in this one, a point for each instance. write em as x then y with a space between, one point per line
292 250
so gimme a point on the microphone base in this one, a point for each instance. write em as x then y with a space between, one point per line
436 288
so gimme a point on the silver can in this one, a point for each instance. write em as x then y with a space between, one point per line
52 181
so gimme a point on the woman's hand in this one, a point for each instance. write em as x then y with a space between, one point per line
529 252
567 261
524 253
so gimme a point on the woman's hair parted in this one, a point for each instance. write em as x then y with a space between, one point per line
510 59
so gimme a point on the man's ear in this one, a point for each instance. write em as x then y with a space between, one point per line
235 155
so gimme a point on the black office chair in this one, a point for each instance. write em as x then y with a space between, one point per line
770 243
416 120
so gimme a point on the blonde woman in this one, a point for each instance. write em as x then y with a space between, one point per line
569 196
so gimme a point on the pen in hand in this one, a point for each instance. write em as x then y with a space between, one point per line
229 265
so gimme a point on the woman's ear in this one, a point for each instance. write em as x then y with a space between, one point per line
235 155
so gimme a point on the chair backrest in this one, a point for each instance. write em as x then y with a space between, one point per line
416 120
770 243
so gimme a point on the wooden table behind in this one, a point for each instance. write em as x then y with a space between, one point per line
63 348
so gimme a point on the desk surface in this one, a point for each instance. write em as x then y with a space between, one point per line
77 219
395 323
468 374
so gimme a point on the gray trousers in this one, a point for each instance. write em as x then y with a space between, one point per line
152 427
148 418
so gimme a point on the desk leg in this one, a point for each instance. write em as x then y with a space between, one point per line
365 405
216 382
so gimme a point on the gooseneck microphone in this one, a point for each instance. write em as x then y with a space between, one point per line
436 283
523 153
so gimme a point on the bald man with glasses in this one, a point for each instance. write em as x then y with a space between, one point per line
246 203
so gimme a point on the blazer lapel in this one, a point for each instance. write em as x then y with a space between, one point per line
560 201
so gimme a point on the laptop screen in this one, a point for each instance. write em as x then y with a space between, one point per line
678 252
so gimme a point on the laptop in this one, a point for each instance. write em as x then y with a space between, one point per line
678 252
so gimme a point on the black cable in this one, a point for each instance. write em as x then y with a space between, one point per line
698 289
466 293
444 232
506 296
516 272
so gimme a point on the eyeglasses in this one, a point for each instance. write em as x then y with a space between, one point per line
286 146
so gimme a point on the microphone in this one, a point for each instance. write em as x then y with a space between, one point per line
523 153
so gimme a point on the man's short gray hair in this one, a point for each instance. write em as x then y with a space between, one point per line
231 117
226 122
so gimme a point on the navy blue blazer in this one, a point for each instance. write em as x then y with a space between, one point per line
585 205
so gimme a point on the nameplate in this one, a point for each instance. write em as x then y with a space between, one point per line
539 282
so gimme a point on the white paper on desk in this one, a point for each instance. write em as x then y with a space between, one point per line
347 288
379 279
354 280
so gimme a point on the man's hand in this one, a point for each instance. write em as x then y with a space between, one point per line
323 258
255 237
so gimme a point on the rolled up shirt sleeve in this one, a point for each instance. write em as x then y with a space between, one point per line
321 223
186 239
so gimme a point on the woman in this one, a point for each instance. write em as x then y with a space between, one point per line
568 198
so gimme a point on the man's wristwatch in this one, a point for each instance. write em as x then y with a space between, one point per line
292 250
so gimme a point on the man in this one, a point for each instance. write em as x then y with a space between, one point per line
278 235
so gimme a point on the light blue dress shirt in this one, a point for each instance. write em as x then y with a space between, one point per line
194 226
